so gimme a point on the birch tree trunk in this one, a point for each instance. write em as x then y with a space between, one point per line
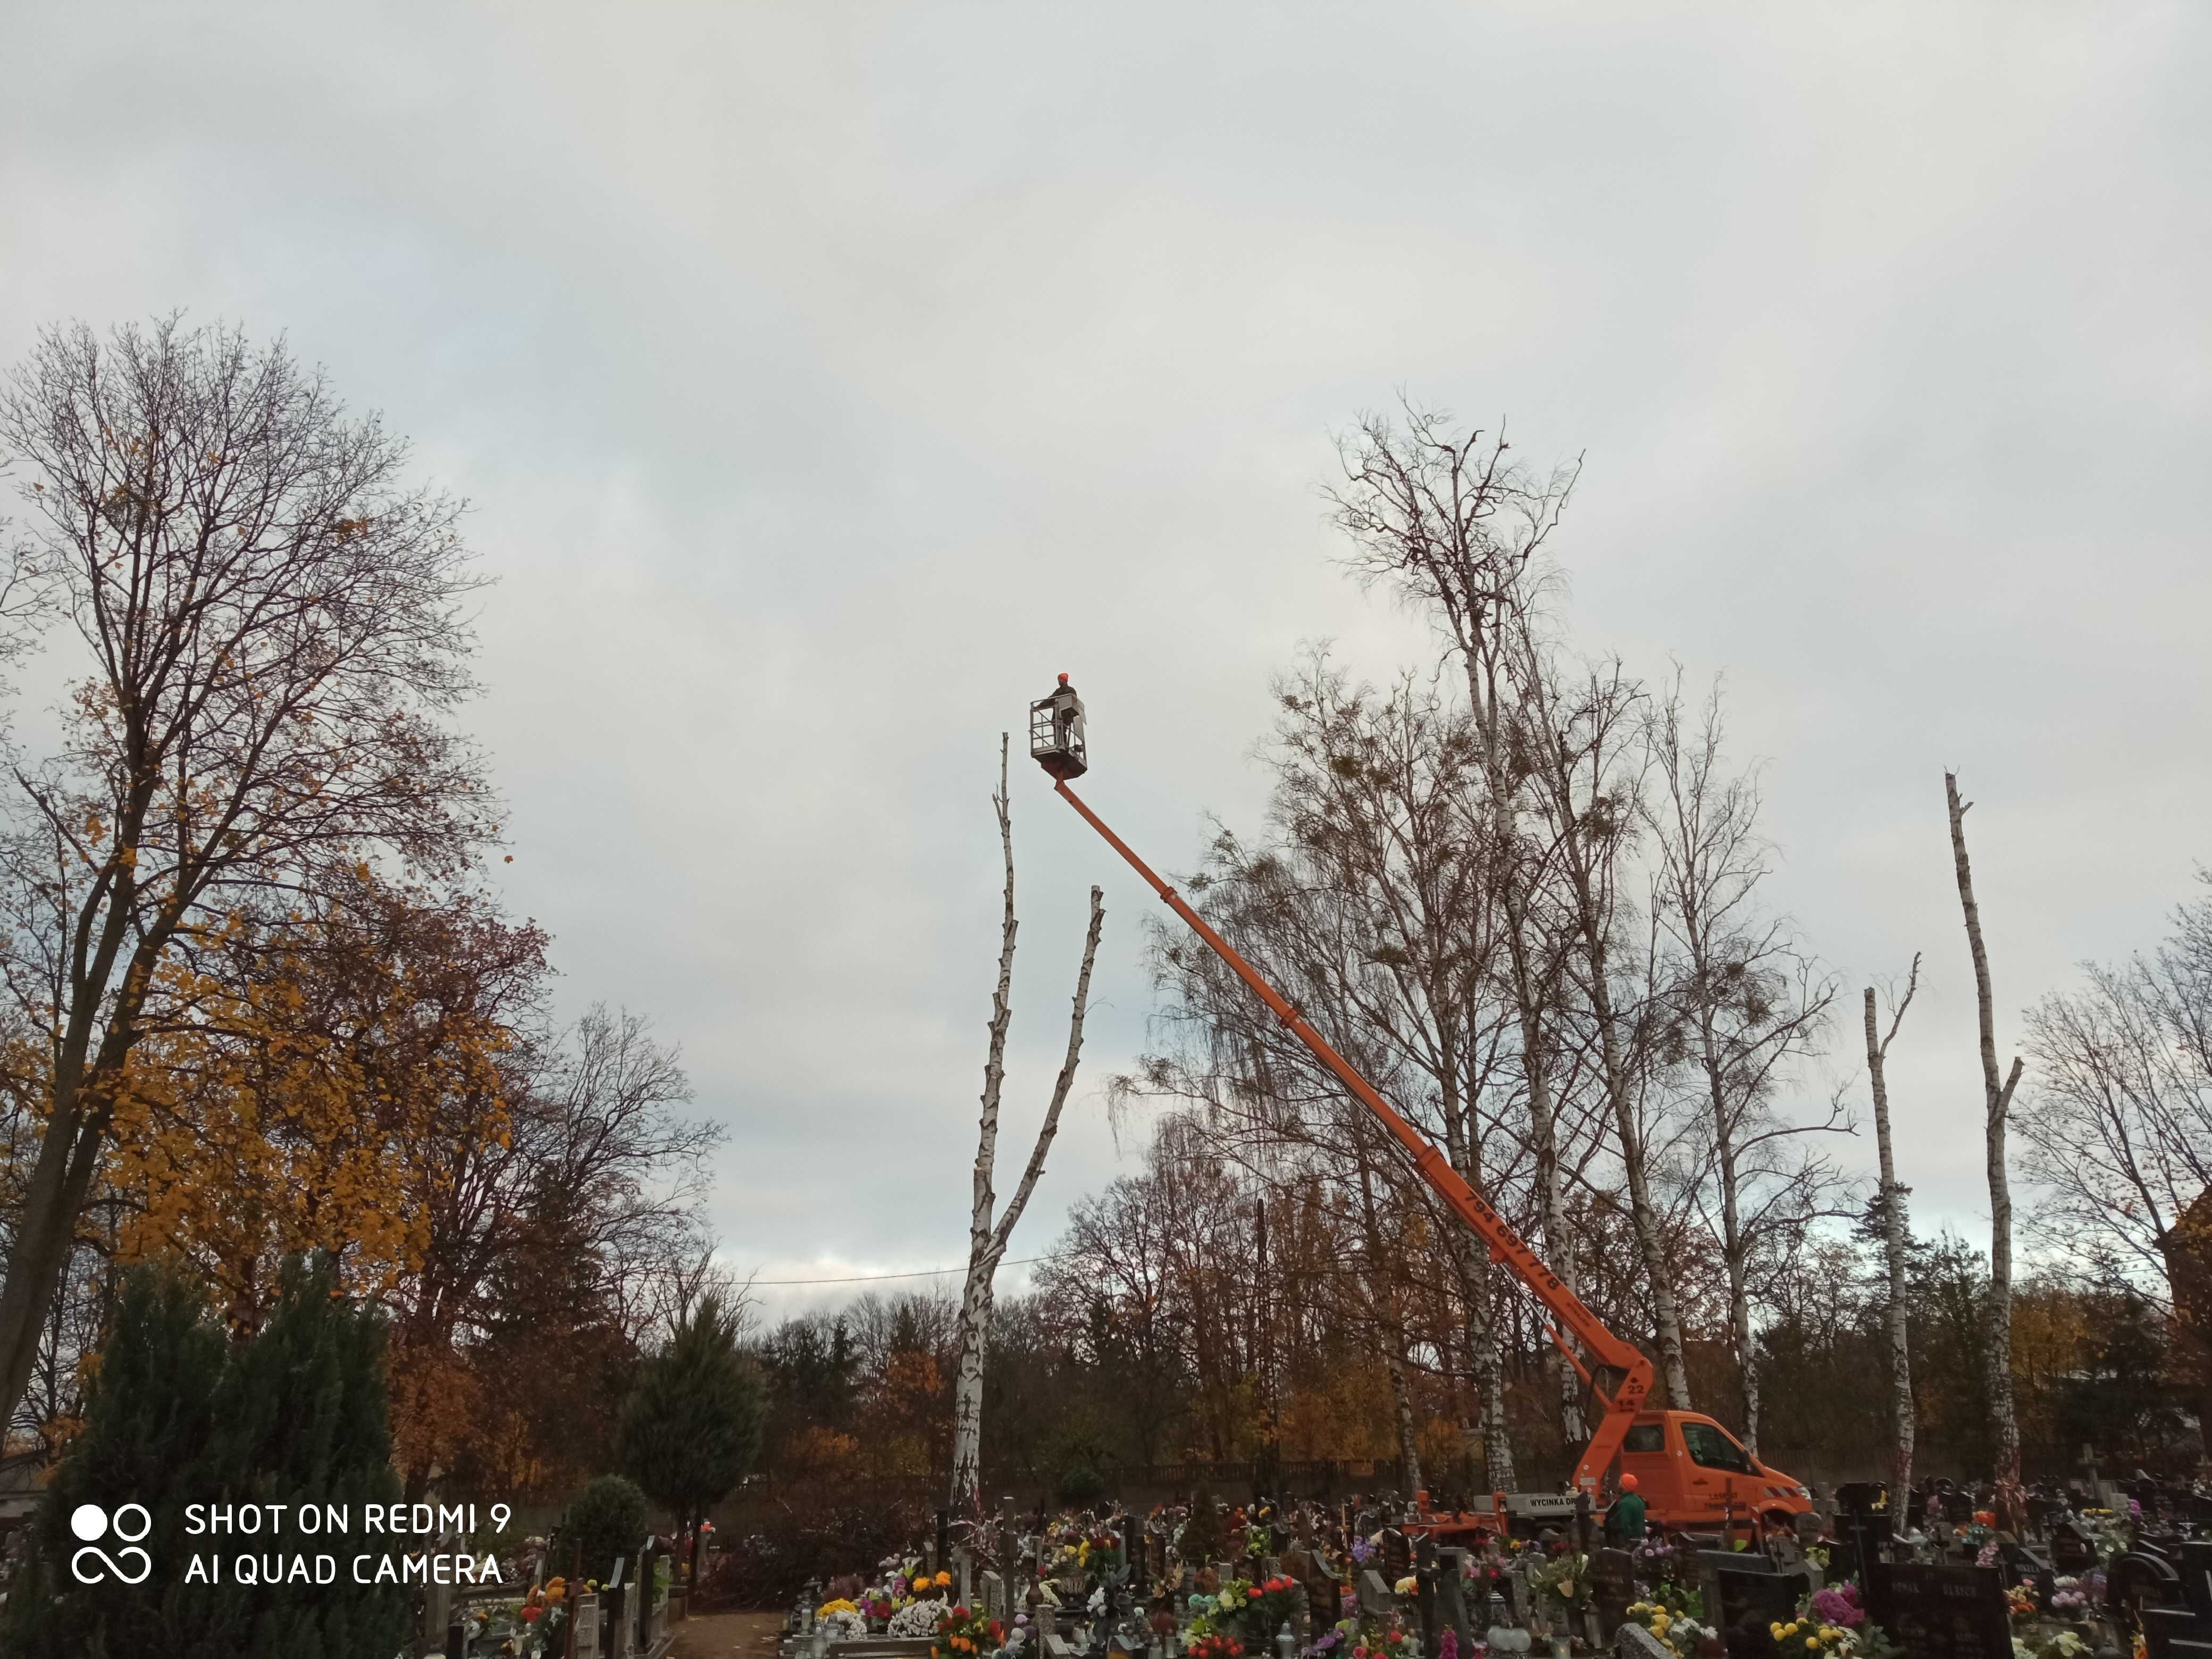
1382 1287
1756 1008
1996 1099
1471 1263
1589 822
1530 1002
1665 1317
1485 1362
1732 1252
1893 1233
987 1239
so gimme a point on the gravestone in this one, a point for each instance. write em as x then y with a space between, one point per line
1377 1598
1861 1539
1613 1587
2071 1552
2173 1601
963 1568
1750 1585
995 1598
1451 1594
2142 1579
1941 1612
622 1621
2194 1567
585 1613
2175 1633
1303 1569
1634 1642
1397 1554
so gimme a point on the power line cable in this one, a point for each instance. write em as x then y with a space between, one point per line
874 1279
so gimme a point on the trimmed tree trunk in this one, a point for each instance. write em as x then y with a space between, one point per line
1893 1233
987 1238
1739 1278
1472 1264
1996 1098
1382 1288
1585 856
1530 1006
1665 1316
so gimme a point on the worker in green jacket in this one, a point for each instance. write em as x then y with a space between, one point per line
1625 1520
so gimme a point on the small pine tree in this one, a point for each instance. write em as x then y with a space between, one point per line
1205 1540
605 1522
304 1418
692 1424
149 1418
177 1415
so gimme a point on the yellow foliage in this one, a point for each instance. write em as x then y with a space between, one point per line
308 1092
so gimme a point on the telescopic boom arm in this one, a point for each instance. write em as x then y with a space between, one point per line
1619 1371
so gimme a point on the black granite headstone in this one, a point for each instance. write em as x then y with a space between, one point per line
2071 1552
1613 1587
2175 1632
1941 1612
2194 1567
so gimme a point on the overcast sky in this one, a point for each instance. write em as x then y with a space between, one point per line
825 377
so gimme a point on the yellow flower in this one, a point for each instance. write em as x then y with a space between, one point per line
1778 1630
944 1578
1813 1642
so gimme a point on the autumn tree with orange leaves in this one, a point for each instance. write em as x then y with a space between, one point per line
261 618
317 1084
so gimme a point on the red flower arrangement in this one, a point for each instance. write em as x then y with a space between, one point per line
964 1633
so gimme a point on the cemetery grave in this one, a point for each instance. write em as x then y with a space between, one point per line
1198 1580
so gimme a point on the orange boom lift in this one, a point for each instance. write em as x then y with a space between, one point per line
1690 1471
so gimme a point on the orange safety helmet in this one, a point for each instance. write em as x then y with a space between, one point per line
1628 1483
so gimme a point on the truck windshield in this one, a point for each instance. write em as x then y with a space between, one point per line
1711 1449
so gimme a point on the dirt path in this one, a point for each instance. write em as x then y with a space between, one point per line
729 1636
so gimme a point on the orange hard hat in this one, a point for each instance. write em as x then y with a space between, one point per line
1628 1483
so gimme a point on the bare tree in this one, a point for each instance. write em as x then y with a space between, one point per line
1893 1233
268 644
1996 1098
989 1234
1372 802
1579 751
2120 1126
1457 528
1747 1003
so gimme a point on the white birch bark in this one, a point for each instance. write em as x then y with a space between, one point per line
987 1237
1893 1232
1531 1006
1996 1098
1588 828
1382 1287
